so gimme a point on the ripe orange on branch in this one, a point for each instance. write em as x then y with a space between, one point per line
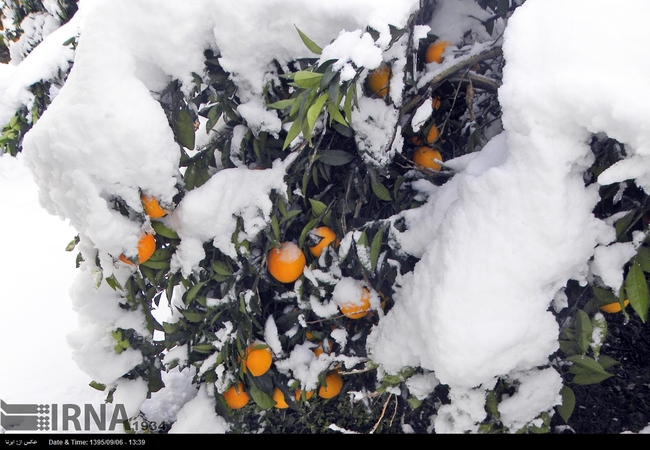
286 263
357 311
308 394
332 386
236 397
278 397
379 80
258 361
327 237
435 51
152 207
614 307
428 157
146 248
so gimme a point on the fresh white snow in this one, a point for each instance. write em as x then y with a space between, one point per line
497 242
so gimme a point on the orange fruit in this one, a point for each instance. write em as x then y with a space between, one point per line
258 361
152 207
146 248
323 348
432 135
426 157
332 386
235 396
379 80
278 396
614 307
435 51
355 311
308 394
327 237
286 263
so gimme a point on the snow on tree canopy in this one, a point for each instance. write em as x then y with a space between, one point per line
507 233
105 137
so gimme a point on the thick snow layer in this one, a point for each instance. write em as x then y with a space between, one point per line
507 233
198 416
497 242
43 63
209 212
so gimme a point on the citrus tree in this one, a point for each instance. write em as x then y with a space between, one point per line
273 318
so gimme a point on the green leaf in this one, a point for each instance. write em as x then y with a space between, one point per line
330 77
642 258
583 330
98 386
569 348
604 296
587 363
568 403
623 223
606 361
113 283
162 254
585 377
306 79
636 288
275 227
282 104
162 230
293 133
221 268
156 264
306 229
193 316
72 244
203 348
492 403
335 114
587 370
349 97
335 157
317 208
315 109
311 45
170 328
380 190
194 290
375 248
263 400
185 129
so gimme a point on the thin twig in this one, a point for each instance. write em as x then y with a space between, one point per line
463 65
383 411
